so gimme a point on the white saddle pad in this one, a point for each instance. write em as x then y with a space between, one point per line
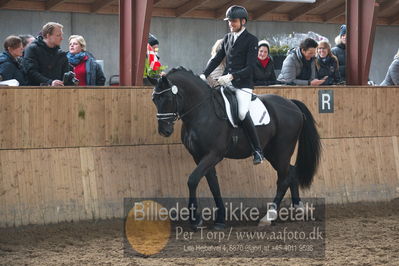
10 82
259 114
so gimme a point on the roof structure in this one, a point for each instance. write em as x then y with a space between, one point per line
321 11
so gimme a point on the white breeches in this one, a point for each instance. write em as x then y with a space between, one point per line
244 99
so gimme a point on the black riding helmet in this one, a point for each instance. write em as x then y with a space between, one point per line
236 12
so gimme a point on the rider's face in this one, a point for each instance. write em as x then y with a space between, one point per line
235 24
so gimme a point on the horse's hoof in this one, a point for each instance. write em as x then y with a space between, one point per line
266 223
300 206
263 223
219 226
270 216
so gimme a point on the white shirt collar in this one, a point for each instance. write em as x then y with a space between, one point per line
237 34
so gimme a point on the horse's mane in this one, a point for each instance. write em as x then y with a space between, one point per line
181 68
186 73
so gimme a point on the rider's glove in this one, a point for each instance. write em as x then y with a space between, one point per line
224 80
202 76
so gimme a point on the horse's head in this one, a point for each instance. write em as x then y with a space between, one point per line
176 95
165 98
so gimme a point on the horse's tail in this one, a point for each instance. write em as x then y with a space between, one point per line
309 148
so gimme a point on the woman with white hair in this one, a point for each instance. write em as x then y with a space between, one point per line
87 70
392 76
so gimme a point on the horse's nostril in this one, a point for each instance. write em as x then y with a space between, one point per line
166 132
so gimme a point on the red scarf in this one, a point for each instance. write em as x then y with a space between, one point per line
264 62
81 71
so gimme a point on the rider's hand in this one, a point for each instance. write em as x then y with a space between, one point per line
202 76
224 80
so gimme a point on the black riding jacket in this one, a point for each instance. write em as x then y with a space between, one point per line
241 58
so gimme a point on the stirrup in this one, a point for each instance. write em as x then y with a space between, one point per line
258 157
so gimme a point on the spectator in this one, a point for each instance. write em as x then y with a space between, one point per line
26 39
152 53
392 76
340 51
87 70
44 61
153 42
264 70
10 67
327 64
218 72
299 66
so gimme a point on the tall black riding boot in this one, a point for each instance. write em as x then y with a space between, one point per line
250 132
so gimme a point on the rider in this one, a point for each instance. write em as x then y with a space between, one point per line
240 48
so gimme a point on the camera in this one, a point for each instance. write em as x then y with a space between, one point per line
70 79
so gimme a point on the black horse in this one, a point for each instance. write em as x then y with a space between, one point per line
209 137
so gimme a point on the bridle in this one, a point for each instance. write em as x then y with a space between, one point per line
169 117
176 115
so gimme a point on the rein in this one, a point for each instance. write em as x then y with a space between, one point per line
177 115
172 117
195 106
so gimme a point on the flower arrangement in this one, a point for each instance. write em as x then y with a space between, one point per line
149 72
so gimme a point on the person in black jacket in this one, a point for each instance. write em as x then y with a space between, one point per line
340 51
327 65
10 68
43 59
264 70
240 48
26 39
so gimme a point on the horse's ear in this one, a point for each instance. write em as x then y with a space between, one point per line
166 81
152 81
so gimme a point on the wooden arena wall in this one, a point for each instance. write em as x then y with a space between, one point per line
73 154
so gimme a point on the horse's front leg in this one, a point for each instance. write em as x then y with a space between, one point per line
203 166
213 184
